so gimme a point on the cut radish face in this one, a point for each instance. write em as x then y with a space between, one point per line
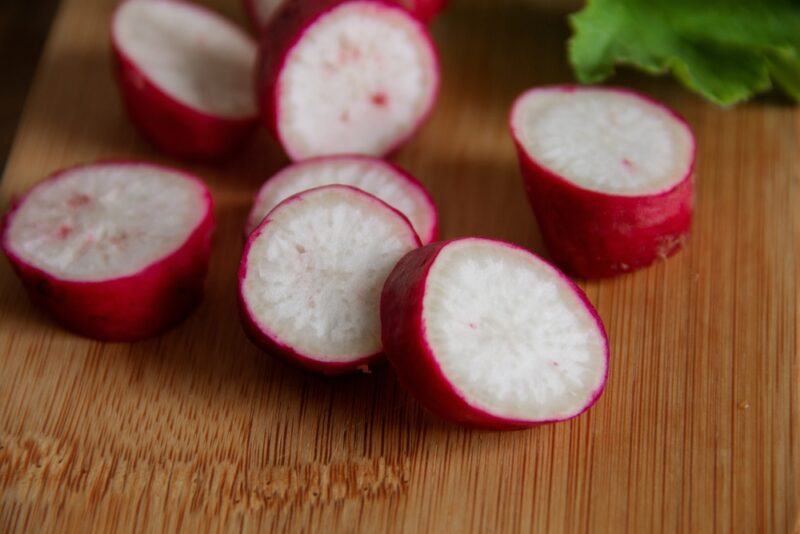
609 175
186 77
383 180
262 11
346 77
114 251
311 277
486 334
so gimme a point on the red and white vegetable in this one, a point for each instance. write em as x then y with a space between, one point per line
346 77
374 176
486 334
311 276
261 12
113 251
187 77
609 175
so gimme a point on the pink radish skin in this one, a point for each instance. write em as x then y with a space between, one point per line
406 335
321 279
381 125
425 10
172 123
379 178
595 234
261 12
134 306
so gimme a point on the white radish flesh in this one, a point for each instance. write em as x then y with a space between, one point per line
106 221
360 79
312 273
193 55
383 180
609 141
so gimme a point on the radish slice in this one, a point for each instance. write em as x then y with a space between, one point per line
346 77
114 251
311 277
186 77
486 334
609 175
374 176
262 11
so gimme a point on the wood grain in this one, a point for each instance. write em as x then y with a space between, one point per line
199 431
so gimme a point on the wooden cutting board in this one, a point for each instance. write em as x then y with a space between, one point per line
198 430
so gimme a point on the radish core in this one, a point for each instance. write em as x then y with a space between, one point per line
315 269
194 56
97 223
609 141
359 79
511 334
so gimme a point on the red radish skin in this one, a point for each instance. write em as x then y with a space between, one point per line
406 340
377 177
596 234
281 226
169 121
287 36
132 307
425 10
260 12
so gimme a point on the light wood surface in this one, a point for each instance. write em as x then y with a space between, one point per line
198 430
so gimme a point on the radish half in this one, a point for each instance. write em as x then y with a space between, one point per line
187 77
486 334
374 176
262 11
312 273
609 175
346 77
113 251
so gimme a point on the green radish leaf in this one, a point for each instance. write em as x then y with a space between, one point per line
725 50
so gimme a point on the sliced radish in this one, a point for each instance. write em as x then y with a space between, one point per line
113 251
311 277
262 11
346 77
486 334
609 175
186 76
383 180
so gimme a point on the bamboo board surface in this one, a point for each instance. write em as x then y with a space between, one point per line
197 430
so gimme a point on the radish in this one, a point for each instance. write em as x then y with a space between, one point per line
609 175
346 77
311 277
486 334
262 11
114 251
187 77
374 176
